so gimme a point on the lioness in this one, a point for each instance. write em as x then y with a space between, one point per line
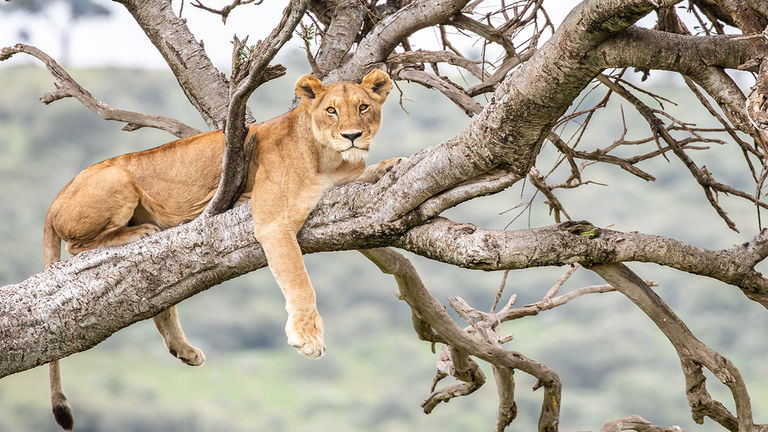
298 155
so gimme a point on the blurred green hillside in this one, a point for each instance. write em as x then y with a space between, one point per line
612 361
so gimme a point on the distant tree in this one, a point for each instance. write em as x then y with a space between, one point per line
531 74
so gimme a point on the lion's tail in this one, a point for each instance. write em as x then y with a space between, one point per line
51 243
61 410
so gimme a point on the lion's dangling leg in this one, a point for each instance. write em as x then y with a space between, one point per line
304 328
167 323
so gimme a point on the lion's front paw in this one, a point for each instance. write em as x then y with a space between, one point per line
386 166
374 173
305 333
145 230
188 355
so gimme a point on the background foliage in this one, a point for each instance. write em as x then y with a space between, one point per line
612 360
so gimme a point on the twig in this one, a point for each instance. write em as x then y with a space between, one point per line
500 291
559 283
701 175
537 180
224 12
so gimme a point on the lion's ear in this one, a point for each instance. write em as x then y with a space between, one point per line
308 87
378 83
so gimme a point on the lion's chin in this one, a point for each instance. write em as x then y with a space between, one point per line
354 154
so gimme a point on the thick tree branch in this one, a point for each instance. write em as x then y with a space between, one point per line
346 22
205 87
653 49
68 87
700 57
468 246
152 274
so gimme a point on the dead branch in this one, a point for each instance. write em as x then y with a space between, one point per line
555 206
701 175
224 11
692 352
422 302
443 85
460 366
66 86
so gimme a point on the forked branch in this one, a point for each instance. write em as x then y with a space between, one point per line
431 311
237 153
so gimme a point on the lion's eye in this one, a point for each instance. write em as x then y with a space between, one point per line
330 110
363 107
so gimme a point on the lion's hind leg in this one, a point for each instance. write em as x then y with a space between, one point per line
116 237
96 208
105 206
167 323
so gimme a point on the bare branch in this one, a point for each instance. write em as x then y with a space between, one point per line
452 92
224 11
674 52
701 175
468 246
419 299
421 56
537 180
463 368
490 83
68 87
692 352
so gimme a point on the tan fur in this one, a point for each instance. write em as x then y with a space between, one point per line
321 143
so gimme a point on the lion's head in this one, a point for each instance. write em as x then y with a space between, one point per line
345 116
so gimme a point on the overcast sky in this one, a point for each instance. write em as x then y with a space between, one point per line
118 40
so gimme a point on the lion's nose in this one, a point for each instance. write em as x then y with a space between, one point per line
352 136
